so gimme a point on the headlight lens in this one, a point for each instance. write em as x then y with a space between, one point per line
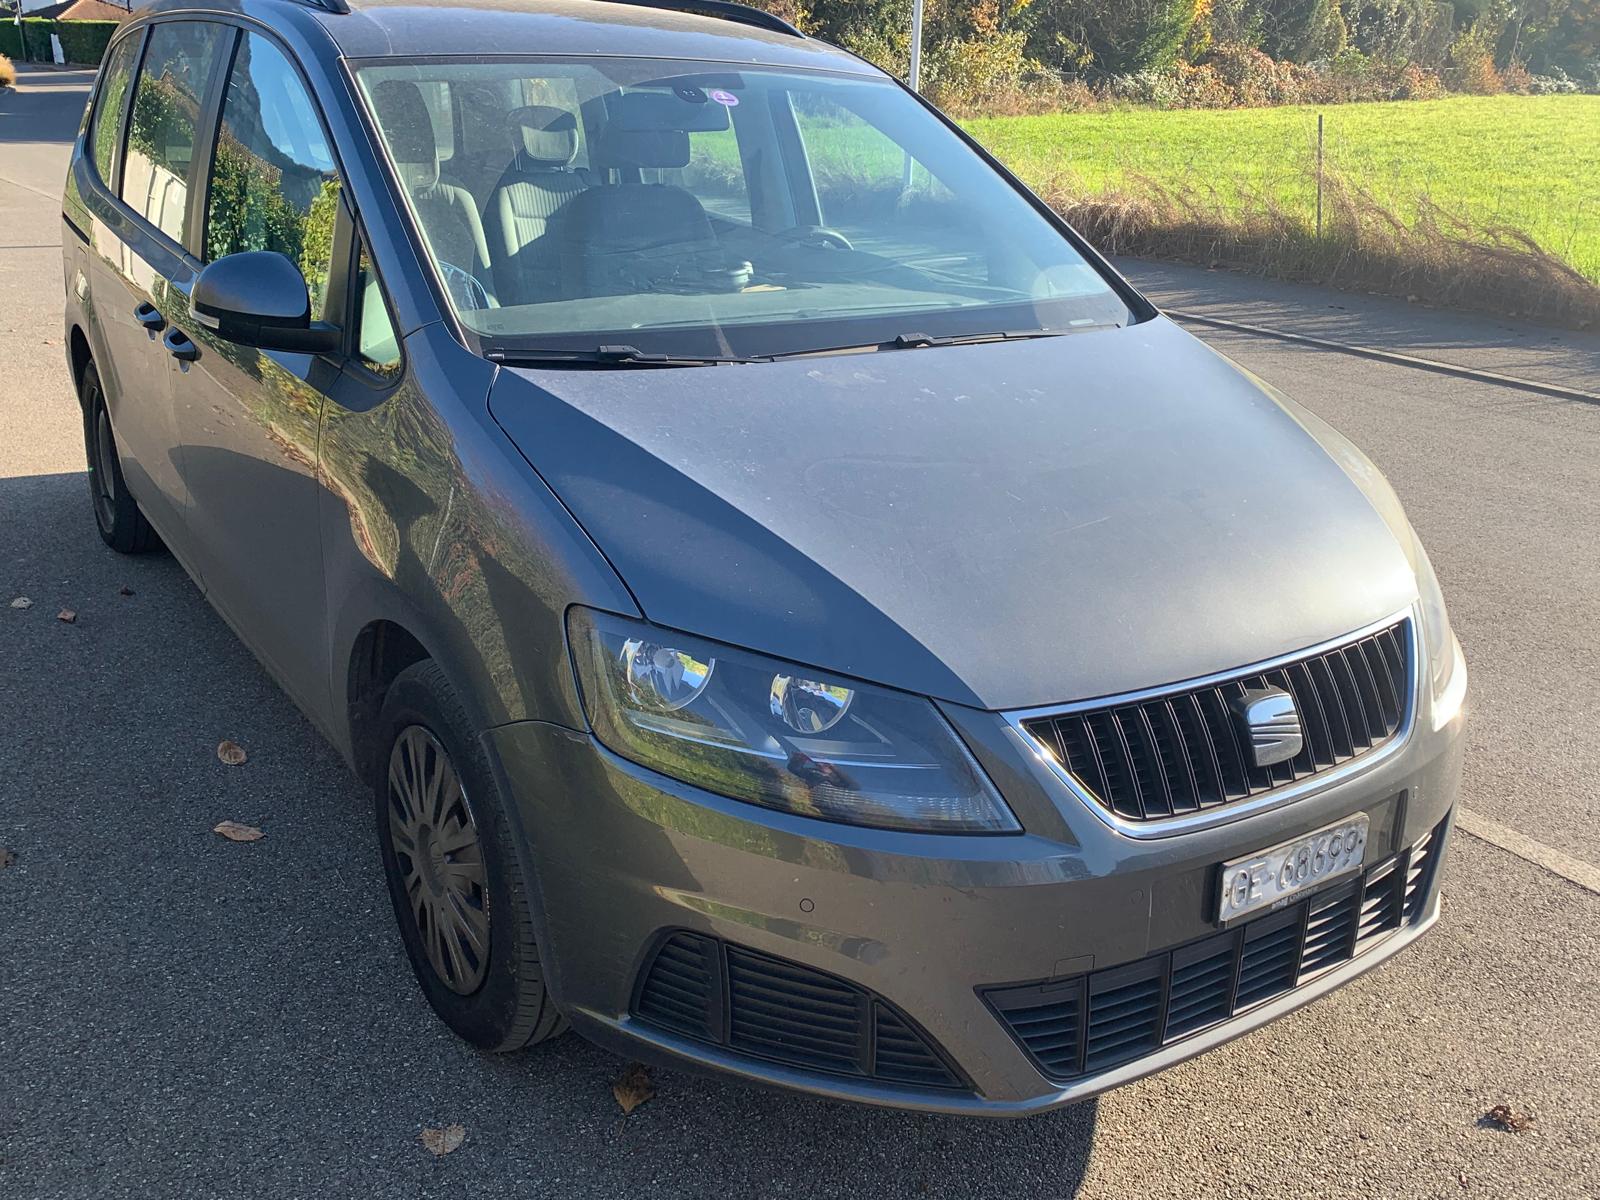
1447 670
774 734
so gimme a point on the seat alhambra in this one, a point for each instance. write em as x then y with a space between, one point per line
801 614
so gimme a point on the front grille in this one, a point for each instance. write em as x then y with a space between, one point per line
1185 751
771 1009
1093 1022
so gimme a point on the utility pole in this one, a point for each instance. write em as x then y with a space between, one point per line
916 45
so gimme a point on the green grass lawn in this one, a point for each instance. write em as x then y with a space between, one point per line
1528 162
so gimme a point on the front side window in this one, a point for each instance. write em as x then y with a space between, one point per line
105 133
273 183
166 112
703 210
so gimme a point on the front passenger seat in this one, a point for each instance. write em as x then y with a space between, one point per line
537 184
448 216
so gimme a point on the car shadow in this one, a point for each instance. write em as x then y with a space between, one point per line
262 985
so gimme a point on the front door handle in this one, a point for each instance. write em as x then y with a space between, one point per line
180 346
150 317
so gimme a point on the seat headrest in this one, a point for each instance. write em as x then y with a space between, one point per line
544 136
643 148
407 127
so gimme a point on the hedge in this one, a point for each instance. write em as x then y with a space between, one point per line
85 41
81 41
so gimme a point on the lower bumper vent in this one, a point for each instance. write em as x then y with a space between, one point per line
1094 1022
779 1011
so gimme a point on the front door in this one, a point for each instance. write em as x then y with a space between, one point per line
248 418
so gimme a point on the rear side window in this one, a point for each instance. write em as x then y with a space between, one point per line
105 134
273 184
166 110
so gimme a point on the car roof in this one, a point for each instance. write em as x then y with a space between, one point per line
408 28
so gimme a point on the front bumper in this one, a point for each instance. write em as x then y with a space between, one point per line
930 923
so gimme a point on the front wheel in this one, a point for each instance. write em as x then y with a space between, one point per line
457 884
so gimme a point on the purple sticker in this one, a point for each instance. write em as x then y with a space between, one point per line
726 99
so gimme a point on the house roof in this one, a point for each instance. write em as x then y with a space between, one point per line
81 10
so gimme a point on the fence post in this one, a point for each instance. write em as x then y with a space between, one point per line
1319 177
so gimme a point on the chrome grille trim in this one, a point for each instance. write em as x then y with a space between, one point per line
1261 801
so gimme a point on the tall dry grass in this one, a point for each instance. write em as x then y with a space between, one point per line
1436 257
8 73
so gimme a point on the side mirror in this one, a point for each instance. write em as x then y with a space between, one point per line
258 298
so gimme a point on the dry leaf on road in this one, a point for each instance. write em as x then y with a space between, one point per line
66 616
236 832
230 752
22 602
124 590
1503 1116
634 1088
6 858
443 1140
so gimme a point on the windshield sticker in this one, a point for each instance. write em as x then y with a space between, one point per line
724 98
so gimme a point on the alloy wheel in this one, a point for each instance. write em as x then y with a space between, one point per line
440 858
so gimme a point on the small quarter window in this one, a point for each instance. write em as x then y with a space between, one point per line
166 109
377 346
105 134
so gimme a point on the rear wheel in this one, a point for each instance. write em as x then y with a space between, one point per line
456 882
116 513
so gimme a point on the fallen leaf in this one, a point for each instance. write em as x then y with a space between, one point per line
22 602
124 590
236 832
443 1140
1503 1116
634 1088
230 752
67 617
6 858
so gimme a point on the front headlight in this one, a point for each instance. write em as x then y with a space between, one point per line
776 734
1447 669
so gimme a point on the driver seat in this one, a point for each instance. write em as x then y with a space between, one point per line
620 238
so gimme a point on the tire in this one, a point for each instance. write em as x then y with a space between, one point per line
459 892
116 513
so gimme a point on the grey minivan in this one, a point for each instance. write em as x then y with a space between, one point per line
800 612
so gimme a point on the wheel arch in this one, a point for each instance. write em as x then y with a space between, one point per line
79 356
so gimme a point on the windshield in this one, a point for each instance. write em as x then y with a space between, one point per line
680 208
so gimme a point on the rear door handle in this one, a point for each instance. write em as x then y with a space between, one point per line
180 345
150 317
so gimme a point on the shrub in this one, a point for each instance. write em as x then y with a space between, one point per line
1252 77
36 39
85 41
1556 83
10 40
8 73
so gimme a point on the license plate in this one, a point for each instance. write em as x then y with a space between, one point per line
1272 878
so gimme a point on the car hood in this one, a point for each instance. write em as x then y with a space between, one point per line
1000 525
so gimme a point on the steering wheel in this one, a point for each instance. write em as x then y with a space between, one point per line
817 235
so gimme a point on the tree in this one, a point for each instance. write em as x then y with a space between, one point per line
1301 30
1118 37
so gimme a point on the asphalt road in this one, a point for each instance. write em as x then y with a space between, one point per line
183 1016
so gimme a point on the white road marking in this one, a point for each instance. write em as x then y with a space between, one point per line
1574 870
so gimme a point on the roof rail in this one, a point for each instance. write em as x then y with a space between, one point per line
726 9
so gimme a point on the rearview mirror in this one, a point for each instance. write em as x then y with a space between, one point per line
259 298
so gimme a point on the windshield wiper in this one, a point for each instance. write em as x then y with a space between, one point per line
913 341
620 356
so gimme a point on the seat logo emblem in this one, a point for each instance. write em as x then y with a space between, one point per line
1272 723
